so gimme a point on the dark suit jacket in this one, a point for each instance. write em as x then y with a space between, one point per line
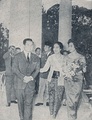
44 58
7 57
22 68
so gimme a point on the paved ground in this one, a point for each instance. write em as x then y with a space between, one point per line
42 112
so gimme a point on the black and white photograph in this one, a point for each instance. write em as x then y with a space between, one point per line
45 59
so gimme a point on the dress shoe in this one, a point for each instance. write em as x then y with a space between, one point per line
38 104
52 117
14 102
21 118
8 105
47 103
64 102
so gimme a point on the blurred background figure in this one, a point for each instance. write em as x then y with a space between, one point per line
43 96
18 50
38 51
9 76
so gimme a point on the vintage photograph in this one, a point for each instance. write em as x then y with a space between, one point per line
45 59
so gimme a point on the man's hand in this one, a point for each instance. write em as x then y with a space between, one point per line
28 78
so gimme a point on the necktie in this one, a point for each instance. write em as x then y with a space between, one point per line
11 61
28 57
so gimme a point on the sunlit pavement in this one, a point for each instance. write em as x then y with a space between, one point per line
41 112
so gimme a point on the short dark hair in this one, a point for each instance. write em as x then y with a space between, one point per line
60 45
18 48
70 41
38 48
48 43
27 39
11 46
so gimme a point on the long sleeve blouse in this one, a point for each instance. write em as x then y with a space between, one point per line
54 64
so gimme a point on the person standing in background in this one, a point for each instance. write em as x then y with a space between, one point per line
38 53
9 77
43 84
18 50
26 67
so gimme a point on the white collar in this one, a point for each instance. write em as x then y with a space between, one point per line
26 53
48 53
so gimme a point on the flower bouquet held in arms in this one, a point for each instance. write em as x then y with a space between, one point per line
70 69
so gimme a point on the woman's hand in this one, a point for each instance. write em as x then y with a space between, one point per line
41 70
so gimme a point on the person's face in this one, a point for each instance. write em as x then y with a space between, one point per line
12 50
38 52
47 48
65 53
28 47
56 49
18 50
71 47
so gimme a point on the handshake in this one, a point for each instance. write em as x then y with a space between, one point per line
27 79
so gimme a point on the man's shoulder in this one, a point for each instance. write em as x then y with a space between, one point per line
18 55
35 57
6 54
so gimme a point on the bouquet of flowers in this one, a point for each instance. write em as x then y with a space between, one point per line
70 69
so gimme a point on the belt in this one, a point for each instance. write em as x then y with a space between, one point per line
56 74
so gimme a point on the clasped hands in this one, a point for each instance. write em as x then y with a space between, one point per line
28 78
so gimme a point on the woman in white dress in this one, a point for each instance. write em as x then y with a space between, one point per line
55 78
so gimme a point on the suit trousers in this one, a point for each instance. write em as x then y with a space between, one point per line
10 93
43 91
25 102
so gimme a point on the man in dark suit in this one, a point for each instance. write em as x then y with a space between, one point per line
38 53
9 77
26 67
43 96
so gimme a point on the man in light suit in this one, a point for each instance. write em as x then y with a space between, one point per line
9 77
26 67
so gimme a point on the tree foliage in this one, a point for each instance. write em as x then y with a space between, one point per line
4 39
81 27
